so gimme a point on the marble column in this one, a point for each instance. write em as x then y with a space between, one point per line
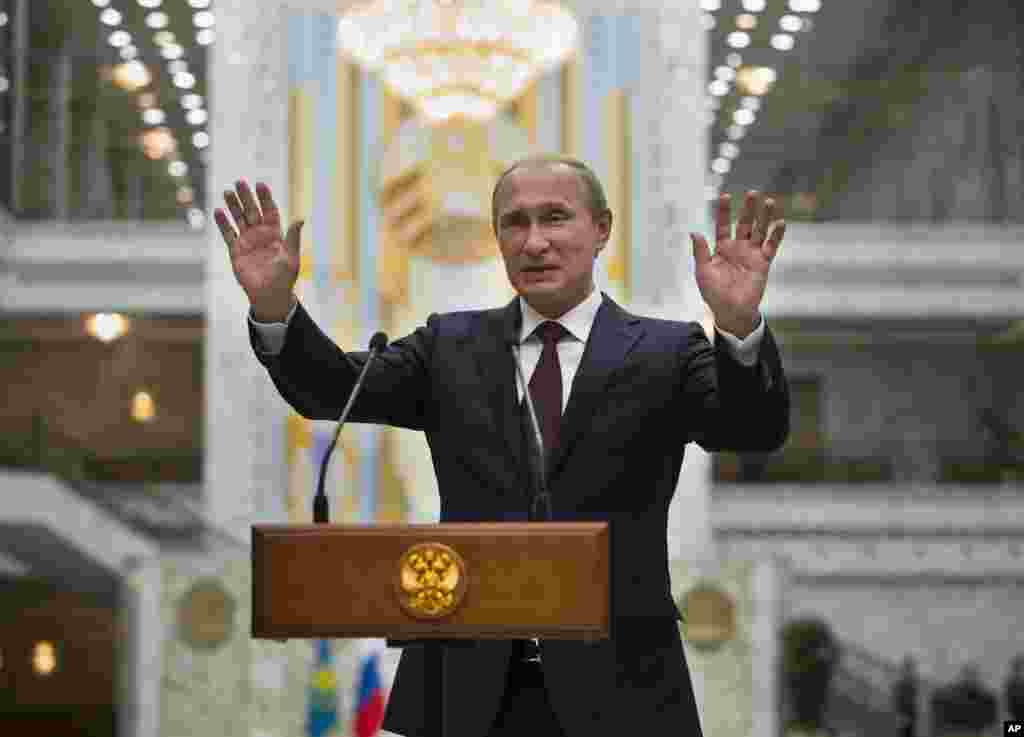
245 475
140 652
245 479
670 118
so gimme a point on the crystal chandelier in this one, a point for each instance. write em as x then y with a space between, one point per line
457 57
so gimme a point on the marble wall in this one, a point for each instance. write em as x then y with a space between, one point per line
738 694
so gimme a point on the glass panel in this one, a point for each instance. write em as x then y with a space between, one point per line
869 111
102 110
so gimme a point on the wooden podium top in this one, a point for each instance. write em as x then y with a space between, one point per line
480 580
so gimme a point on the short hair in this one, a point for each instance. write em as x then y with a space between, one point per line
593 190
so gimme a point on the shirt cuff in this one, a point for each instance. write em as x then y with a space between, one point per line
272 334
745 350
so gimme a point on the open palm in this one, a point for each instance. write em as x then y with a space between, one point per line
265 262
733 279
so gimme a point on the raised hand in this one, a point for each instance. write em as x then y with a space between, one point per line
732 281
266 264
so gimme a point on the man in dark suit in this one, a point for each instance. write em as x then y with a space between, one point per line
617 396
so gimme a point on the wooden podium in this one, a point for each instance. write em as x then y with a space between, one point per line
434 585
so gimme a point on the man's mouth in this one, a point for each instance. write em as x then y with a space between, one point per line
535 269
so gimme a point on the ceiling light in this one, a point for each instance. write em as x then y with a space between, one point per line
805 6
205 37
157 19
721 166
746 21
755 80
754 6
203 19
738 39
132 76
790 23
718 88
153 116
710 5
729 150
743 116
158 143
110 17
172 51
735 132
461 58
106 326
44 658
143 407
119 38
782 41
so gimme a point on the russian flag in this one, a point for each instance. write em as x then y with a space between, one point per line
369 706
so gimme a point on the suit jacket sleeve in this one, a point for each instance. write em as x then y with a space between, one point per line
730 406
315 376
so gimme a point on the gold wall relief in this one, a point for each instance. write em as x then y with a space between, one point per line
435 192
709 615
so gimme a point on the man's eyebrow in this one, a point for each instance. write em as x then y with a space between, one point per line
541 207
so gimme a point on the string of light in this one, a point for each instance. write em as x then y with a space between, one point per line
755 81
5 82
158 141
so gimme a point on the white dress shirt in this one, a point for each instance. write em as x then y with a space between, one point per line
578 321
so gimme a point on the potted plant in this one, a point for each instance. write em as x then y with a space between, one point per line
809 656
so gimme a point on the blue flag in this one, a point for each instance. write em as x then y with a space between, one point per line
323 693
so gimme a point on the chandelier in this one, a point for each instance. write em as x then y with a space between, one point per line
457 57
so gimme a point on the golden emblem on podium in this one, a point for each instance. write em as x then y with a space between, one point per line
431 580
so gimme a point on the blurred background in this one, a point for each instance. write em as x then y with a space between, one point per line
867 579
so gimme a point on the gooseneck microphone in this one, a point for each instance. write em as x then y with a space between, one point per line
378 342
540 505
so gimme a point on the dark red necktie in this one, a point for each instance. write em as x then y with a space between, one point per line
546 385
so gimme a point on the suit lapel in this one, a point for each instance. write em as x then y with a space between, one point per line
497 374
612 336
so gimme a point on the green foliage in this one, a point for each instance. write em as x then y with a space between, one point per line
810 653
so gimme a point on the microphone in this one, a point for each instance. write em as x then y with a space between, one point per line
537 457
378 342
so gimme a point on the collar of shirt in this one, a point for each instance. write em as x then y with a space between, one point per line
578 321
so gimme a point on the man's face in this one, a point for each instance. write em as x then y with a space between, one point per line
543 222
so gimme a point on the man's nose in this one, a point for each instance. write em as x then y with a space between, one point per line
535 239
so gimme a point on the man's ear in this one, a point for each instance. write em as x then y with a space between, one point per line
604 225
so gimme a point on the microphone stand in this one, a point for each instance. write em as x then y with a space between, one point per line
378 342
434 706
541 495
